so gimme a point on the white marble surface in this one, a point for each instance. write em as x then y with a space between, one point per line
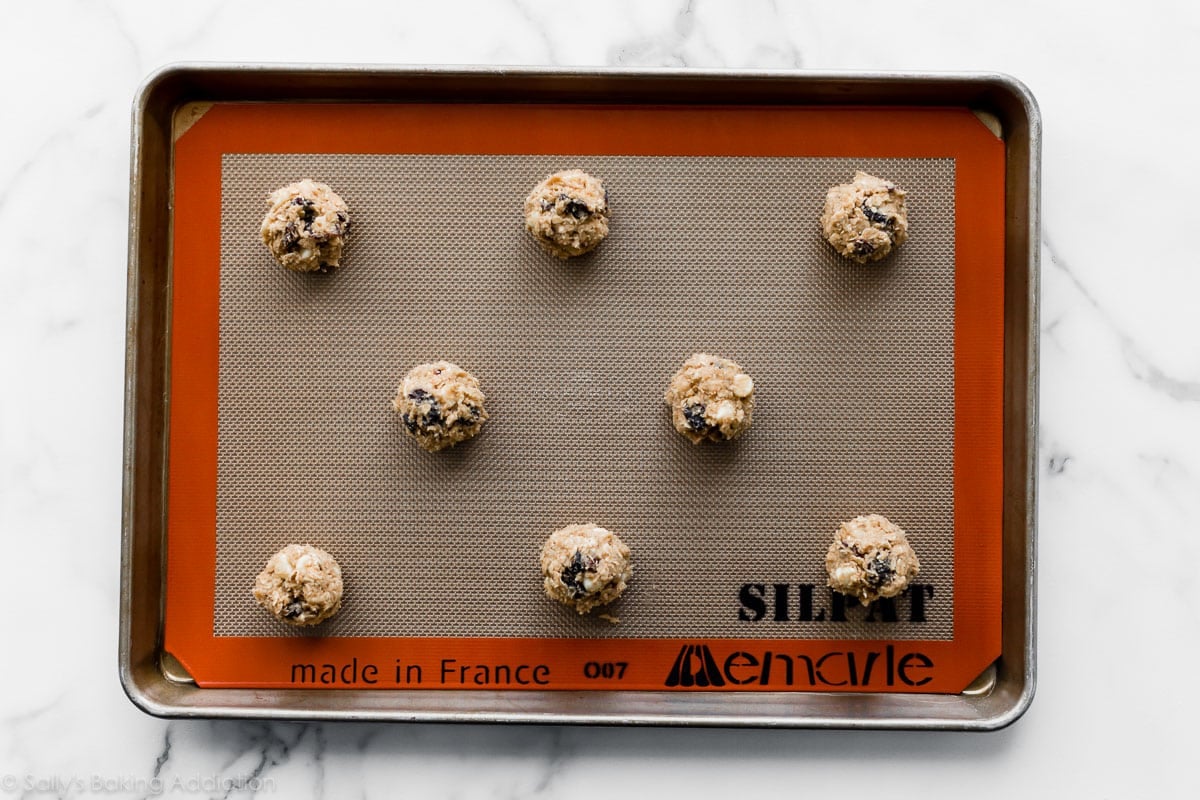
1120 466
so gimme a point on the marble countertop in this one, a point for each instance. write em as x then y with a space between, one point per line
1120 401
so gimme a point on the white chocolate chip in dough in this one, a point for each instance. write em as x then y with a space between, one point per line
724 412
280 564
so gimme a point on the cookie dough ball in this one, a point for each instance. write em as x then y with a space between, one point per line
585 566
567 213
865 220
441 405
301 585
870 558
306 227
711 399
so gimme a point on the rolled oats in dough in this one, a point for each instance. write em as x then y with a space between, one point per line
865 220
306 227
301 585
567 213
585 566
711 399
441 405
870 558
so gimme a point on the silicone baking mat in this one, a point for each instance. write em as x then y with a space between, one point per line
878 390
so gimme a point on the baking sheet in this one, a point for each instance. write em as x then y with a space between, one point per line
884 664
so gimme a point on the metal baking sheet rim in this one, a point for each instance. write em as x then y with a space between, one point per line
1000 696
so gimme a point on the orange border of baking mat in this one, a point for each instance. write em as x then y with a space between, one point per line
724 664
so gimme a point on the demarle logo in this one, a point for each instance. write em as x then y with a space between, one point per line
695 666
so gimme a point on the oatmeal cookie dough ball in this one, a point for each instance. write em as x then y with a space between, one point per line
870 558
865 220
306 227
585 566
567 213
711 399
440 404
301 585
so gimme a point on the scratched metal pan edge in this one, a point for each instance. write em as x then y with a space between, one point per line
159 686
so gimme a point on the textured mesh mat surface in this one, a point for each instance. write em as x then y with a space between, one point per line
854 368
